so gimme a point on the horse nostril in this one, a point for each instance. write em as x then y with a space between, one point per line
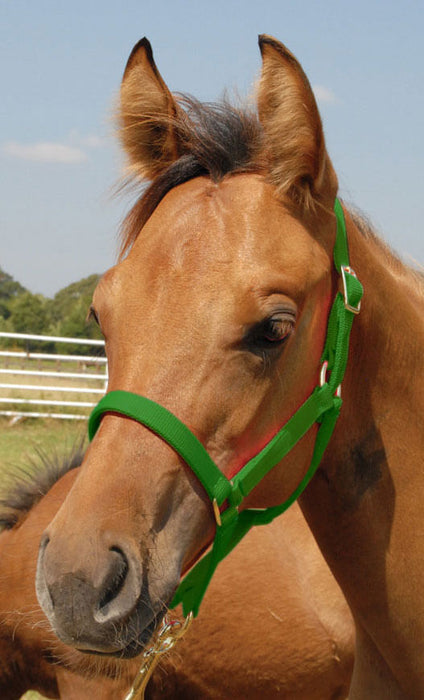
44 542
115 579
120 588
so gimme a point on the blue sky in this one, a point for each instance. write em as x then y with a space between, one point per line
61 65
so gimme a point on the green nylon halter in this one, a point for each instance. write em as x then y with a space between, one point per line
322 406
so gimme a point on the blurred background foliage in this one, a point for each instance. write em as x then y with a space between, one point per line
65 314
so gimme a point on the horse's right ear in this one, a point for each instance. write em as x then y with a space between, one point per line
147 115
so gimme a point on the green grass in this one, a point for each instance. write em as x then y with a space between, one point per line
19 442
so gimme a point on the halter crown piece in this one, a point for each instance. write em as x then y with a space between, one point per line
322 407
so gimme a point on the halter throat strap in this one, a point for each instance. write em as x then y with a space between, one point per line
322 407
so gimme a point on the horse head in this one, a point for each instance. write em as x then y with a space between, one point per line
217 310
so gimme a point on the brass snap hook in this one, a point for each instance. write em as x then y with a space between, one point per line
168 635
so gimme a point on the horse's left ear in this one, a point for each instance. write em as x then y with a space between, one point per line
294 140
148 115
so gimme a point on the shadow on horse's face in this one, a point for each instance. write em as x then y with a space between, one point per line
219 314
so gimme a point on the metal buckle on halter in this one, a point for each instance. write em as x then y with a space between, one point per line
234 499
166 637
346 270
217 512
323 379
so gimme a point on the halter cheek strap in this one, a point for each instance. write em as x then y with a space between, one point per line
322 407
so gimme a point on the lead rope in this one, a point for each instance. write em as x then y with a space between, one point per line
168 635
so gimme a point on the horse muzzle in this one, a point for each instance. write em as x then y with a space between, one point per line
102 605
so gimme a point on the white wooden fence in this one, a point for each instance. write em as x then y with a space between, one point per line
49 385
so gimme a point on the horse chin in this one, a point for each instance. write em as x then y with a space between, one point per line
133 648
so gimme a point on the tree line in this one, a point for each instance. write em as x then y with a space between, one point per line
65 314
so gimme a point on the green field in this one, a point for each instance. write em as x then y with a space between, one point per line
20 442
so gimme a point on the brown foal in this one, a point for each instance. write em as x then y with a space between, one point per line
218 310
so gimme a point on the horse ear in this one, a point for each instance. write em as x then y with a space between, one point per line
294 139
147 115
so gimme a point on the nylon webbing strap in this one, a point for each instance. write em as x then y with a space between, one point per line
172 430
194 585
320 401
322 406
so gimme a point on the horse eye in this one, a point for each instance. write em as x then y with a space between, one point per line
269 334
276 330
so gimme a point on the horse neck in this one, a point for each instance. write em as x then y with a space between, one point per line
378 440
362 505
383 388
10 653
12 586
6 541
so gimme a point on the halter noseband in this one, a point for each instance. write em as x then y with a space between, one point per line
322 406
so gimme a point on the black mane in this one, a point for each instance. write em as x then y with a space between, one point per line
23 487
218 139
